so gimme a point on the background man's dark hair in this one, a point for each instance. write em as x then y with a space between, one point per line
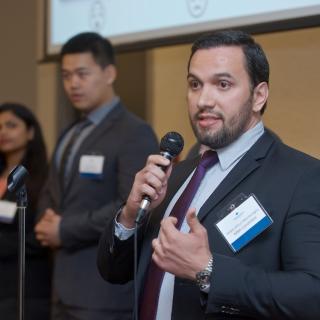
256 62
91 42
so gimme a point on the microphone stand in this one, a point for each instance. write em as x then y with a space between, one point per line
22 205
16 184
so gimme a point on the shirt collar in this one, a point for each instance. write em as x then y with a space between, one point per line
234 151
97 115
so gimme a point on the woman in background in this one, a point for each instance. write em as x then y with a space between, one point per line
21 143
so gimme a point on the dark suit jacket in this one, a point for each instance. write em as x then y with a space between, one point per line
87 204
275 276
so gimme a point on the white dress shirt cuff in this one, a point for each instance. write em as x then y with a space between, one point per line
120 231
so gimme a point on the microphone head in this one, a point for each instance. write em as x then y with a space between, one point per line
16 178
172 143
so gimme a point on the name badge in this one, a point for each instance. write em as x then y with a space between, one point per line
8 211
91 166
244 222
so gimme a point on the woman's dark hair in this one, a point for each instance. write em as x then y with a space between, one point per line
256 62
35 159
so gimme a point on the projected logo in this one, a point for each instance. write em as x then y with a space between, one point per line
197 7
97 16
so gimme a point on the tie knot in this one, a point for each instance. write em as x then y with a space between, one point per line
208 159
83 123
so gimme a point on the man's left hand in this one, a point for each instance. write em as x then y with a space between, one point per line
182 254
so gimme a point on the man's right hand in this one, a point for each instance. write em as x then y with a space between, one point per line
151 181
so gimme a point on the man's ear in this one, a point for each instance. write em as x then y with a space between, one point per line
260 96
111 73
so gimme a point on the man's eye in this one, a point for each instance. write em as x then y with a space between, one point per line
194 84
83 74
224 84
65 76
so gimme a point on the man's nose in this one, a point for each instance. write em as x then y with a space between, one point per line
206 98
74 81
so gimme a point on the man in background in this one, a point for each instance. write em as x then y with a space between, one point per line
91 174
233 234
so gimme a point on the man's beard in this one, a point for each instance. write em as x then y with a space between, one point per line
228 133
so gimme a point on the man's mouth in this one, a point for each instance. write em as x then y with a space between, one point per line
206 120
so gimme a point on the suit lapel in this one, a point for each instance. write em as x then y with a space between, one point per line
249 163
107 122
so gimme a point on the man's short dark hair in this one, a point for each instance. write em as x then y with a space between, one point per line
91 42
256 62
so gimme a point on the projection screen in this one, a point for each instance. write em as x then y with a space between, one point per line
134 22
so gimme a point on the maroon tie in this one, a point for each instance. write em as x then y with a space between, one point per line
150 295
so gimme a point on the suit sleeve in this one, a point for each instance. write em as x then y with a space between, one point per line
293 292
115 258
78 231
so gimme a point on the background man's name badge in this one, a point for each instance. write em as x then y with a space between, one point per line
91 166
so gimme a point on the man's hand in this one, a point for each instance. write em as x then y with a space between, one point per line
150 181
182 254
47 229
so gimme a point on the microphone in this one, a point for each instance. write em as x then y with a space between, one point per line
16 183
171 145
16 178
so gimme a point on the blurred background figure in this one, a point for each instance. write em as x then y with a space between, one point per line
21 143
90 176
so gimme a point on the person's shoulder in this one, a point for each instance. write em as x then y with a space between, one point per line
300 159
129 116
134 128
292 155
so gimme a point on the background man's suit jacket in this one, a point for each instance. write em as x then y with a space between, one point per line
275 276
87 204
